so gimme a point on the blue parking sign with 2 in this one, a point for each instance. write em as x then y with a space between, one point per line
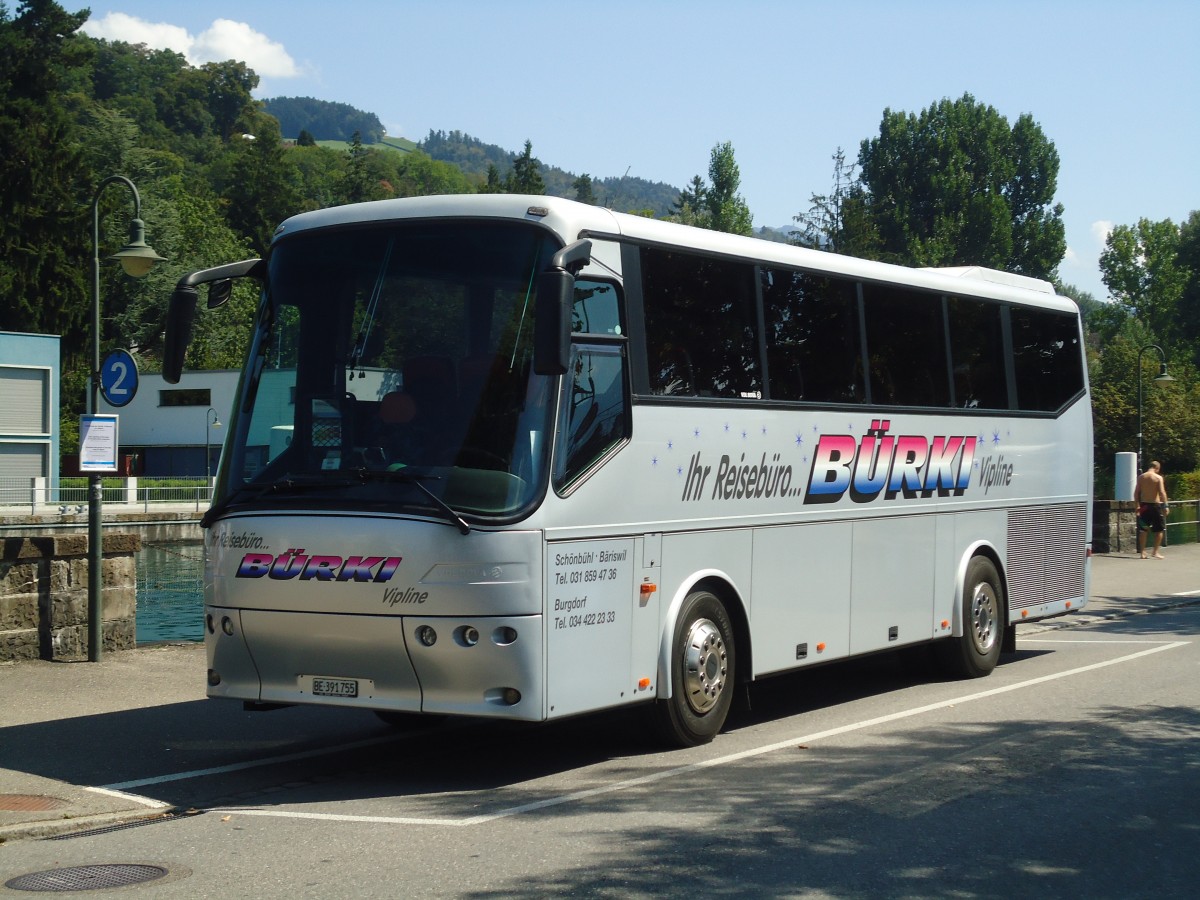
118 378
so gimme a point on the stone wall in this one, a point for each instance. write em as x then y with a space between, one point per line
44 596
1114 526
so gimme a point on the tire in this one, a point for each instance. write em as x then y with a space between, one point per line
702 673
976 653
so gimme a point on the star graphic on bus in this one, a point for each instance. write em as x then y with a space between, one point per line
996 437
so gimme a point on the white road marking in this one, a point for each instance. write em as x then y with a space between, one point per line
136 798
694 767
249 764
1033 640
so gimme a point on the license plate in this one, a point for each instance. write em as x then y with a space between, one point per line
334 687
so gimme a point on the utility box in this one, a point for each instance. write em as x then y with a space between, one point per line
1125 481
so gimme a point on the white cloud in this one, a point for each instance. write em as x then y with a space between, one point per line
132 30
224 39
1071 258
1101 230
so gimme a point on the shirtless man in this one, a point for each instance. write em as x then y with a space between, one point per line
1152 508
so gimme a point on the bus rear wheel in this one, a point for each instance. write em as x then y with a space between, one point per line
976 653
702 673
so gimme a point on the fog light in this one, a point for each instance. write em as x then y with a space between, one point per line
504 636
214 677
426 635
511 696
227 625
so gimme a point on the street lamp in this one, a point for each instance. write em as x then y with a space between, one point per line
137 259
210 418
1162 375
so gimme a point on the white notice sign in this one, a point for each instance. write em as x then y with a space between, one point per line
98 443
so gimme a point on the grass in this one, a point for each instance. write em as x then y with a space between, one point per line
398 144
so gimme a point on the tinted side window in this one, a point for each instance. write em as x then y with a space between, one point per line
812 338
977 354
906 343
1047 358
701 325
596 309
594 412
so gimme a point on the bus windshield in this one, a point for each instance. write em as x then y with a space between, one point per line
391 369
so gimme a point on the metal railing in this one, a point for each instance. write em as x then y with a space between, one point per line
37 497
1183 522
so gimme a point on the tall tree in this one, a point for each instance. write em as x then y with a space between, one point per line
229 85
1188 259
525 177
726 209
1140 267
957 186
584 191
45 234
493 184
692 196
838 221
257 181
357 184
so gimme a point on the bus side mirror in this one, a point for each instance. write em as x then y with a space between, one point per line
181 310
181 315
552 322
555 302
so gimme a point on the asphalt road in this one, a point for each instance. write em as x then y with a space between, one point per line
1073 770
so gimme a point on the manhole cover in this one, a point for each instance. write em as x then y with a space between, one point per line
29 803
86 878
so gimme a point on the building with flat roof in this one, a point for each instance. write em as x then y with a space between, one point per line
175 429
29 384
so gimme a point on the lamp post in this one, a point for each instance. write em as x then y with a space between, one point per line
210 418
1162 375
137 259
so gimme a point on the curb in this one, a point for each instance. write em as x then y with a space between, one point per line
79 825
1077 620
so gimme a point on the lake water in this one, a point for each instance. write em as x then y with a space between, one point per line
170 592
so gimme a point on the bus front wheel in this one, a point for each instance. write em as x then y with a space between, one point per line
702 672
976 653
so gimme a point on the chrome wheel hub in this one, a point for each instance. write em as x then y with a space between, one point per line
985 625
705 666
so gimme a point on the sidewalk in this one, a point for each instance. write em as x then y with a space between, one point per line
67 719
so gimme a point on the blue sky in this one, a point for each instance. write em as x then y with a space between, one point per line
650 87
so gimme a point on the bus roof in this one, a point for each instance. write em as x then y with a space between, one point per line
571 220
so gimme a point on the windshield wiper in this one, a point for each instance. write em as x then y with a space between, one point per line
300 484
403 477
288 484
